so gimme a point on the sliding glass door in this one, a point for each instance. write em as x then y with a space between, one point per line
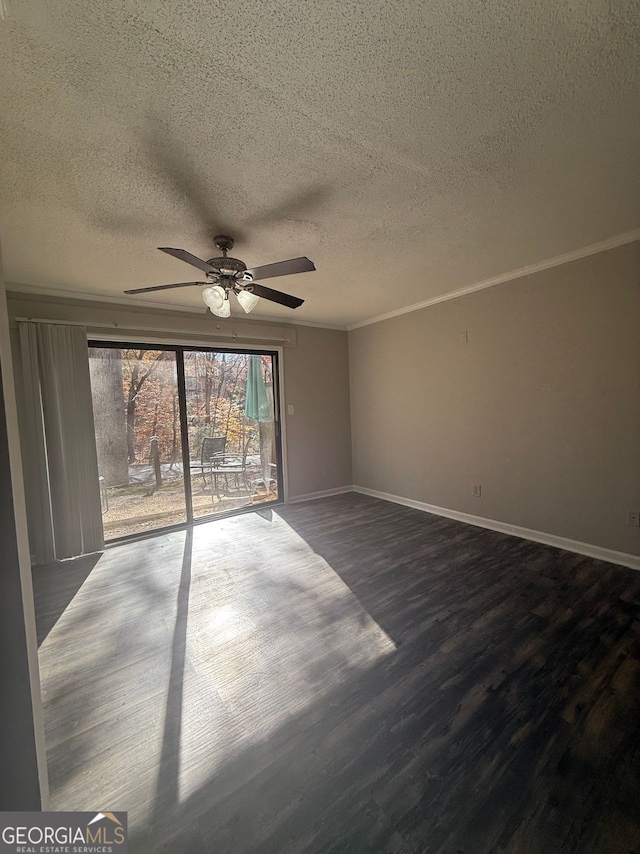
183 434
137 426
231 429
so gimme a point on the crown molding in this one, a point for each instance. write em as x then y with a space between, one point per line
55 293
557 261
584 252
92 296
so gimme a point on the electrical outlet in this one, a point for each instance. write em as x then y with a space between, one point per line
633 518
291 410
464 337
477 491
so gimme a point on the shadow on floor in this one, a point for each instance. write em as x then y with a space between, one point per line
54 587
169 770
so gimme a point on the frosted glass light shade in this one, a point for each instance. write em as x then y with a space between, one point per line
217 300
224 310
247 300
214 297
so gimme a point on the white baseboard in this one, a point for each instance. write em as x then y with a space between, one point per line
588 549
325 493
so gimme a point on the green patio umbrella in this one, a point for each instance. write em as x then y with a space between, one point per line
256 405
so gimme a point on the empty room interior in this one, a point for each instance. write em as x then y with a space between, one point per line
319 341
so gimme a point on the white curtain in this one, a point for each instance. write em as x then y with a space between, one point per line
61 467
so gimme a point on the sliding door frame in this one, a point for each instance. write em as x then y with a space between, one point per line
112 342
184 437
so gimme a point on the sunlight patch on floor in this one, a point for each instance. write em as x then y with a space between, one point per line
271 635
179 652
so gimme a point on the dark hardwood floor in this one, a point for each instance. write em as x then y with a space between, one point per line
346 675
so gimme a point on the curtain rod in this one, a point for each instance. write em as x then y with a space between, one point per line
233 337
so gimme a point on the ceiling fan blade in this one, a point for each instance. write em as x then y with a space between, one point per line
282 268
275 296
183 255
166 287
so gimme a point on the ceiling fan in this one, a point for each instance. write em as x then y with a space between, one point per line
225 275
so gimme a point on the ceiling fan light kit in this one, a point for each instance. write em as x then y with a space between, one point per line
225 274
225 308
247 300
213 296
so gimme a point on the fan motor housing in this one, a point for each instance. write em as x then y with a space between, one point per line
228 266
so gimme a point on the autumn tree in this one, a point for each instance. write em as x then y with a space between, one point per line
138 399
216 385
105 367
140 365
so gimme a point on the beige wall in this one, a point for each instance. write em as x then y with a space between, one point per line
541 406
316 379
316 373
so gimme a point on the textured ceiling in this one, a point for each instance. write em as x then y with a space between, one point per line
410 149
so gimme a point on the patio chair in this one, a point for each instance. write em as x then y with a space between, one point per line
211 450
232 466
